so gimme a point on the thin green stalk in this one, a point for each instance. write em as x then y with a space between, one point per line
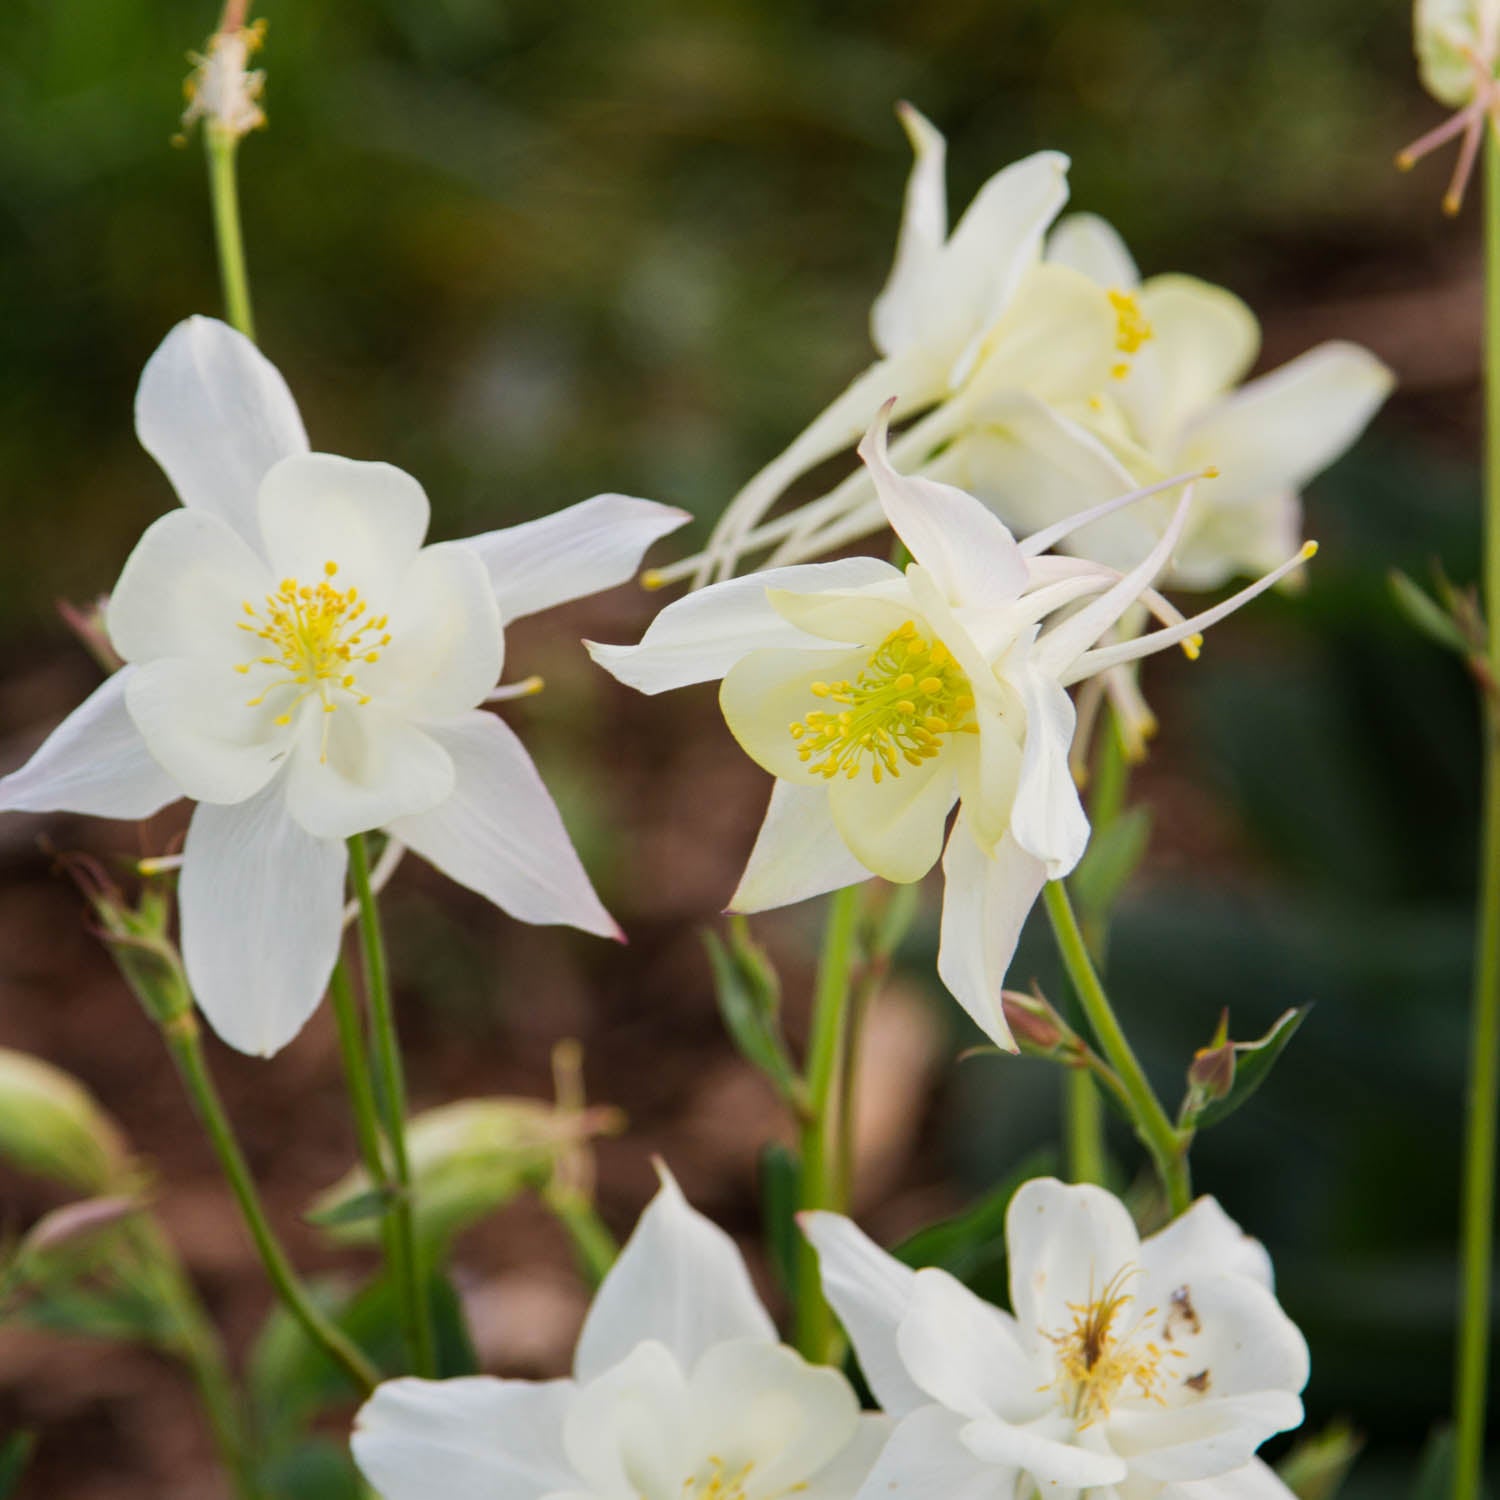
1152 1125
220 146
1484 1050
593 1244
848 1085
1083 1127
816 1332
186 1046
415 1312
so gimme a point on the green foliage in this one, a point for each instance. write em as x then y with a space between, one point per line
779 1191
1319 1464
1247 1065
749 996
1113 856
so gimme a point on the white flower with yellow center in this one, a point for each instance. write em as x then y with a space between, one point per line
879 698
305 669
679 1391
1150 1368
960 307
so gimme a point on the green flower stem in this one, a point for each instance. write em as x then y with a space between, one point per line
1156 1131
186 1046
416 1313
1484 1048
220 146
593 1244
816 1332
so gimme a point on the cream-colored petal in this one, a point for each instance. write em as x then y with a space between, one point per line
765 693
799 852
895 826
1093 246
896 317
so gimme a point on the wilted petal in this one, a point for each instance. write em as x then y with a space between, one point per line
262 903
499 833
467 1439
799 852
214 412
94 762
681 1281
581 550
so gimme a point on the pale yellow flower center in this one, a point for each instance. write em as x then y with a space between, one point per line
1132 329
718 1482
909 696
316 637
1096 1359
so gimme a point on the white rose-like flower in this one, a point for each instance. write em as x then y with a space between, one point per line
301 665
1150 1368
680 1391
879 698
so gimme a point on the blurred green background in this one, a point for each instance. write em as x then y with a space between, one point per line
535 249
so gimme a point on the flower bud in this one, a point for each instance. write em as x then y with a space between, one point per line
75 1226
1037 1028
52 1126
1211 1072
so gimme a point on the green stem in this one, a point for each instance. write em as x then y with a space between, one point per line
848 1087
593 1244
220 146
1083 1126
816 1332
186 1046
415 1311
1156 1131
1484 1050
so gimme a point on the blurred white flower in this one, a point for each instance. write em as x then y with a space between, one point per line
879 698
679 1391
301 665
222 90
1457 46
952 301
1146 1369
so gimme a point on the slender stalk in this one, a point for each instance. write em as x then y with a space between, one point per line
220 145
415 1312
1484 1050
860 997
816 1331
593 1244
186 1046
1083 1127
1156 1131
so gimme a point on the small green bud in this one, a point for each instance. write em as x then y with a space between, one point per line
52 1126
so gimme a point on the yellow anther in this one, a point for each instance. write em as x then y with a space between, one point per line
242 667
1132 329
1096 1357
1309 550
330 568
1210 472
652 579
818 689
930 685
283 720
906 706
1119 372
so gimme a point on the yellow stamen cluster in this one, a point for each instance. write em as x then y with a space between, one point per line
1131 328
909 695
318 635
720 1482
1095 1358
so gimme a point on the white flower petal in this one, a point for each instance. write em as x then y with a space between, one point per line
681 1281
467 1439
850 616
896 319
966 1355
1257 1480
582 550
94 762
1223 541
261 903
1065 1243
362 767
368 518
895 827
848 1473
624 1433
499 833
798 854
924 1458
1277 432
1042 1451
214 412
752 1402
1205 1236
1093 246
870 1291
1198 1442
446 647
986 899
702 635
974 559
1048 820
198 723
183 590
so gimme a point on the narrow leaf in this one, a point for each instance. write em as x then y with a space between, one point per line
1253 1064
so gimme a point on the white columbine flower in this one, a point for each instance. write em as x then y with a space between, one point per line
680 1391
305 669
951 299
1141 1368
1458 47
879 698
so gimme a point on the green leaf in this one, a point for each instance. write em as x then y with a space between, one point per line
318 1469
1424 612
1253 1064
361 1208
749 996
15 1452
1114 853
1434 1479
779 1187
1317 1467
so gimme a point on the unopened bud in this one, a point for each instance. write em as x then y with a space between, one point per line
75 1226
1036 1027
1211 1072
52 1126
